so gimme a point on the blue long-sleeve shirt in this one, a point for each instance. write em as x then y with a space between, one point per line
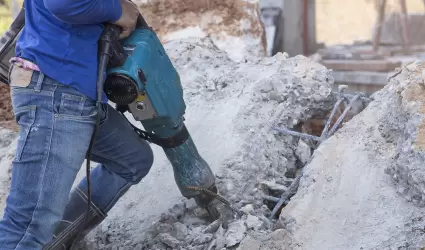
61 36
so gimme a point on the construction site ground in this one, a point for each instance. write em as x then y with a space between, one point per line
265 125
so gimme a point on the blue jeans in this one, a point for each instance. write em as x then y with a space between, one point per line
56 123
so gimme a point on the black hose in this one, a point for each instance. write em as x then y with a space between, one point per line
104 56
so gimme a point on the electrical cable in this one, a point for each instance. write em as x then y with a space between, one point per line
104 56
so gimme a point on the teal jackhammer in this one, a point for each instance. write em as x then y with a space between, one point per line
142 80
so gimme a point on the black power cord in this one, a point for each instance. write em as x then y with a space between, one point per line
105 54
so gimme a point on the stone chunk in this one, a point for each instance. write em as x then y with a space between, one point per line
252 222
168 240
235 233
249 243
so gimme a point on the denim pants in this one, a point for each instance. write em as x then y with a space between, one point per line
56 123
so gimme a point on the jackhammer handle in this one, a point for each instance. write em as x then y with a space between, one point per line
111 45
141 22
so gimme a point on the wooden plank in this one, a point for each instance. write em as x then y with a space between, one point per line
360 77
361 65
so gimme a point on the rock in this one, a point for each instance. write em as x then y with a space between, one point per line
213 227
249 243
163 228
202 239
279 234
253 222
273 186
190 204
220 239
303 152
178 210
235 233
180 230
248 208
168 240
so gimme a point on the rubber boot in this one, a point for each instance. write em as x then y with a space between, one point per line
73 226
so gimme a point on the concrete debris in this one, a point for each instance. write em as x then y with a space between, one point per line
367 181
249 243
235 233
180 230
168 240
244 100
303 152
253 222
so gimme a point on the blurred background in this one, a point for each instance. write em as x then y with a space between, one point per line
362 41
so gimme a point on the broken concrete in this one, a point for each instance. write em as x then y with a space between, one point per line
361 190
243 101
347 199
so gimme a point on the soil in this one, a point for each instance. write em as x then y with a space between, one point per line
221 18
6 114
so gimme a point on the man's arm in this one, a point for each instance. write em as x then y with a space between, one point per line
85 11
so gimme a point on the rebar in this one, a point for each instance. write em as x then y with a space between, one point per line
328 122
271 198
284 198
341 117
295 133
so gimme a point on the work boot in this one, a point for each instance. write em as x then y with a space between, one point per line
73 226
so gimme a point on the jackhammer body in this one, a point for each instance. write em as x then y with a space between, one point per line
142 80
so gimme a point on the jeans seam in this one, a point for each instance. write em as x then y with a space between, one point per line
42 175
118 194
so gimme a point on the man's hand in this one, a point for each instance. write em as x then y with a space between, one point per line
128 18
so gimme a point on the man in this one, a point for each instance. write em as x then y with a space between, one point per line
53 89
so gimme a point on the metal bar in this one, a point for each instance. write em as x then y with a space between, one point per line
271 198
380 21
335 126
295 133
328 122
305 27
348 96
284 199
404 23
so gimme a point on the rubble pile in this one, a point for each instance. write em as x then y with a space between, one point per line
364 187
270 91
361 189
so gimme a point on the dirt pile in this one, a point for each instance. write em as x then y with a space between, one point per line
234 25
364 188
6 115
248 98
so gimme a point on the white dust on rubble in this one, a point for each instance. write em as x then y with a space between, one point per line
231 107
346 198
234 25
8 141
